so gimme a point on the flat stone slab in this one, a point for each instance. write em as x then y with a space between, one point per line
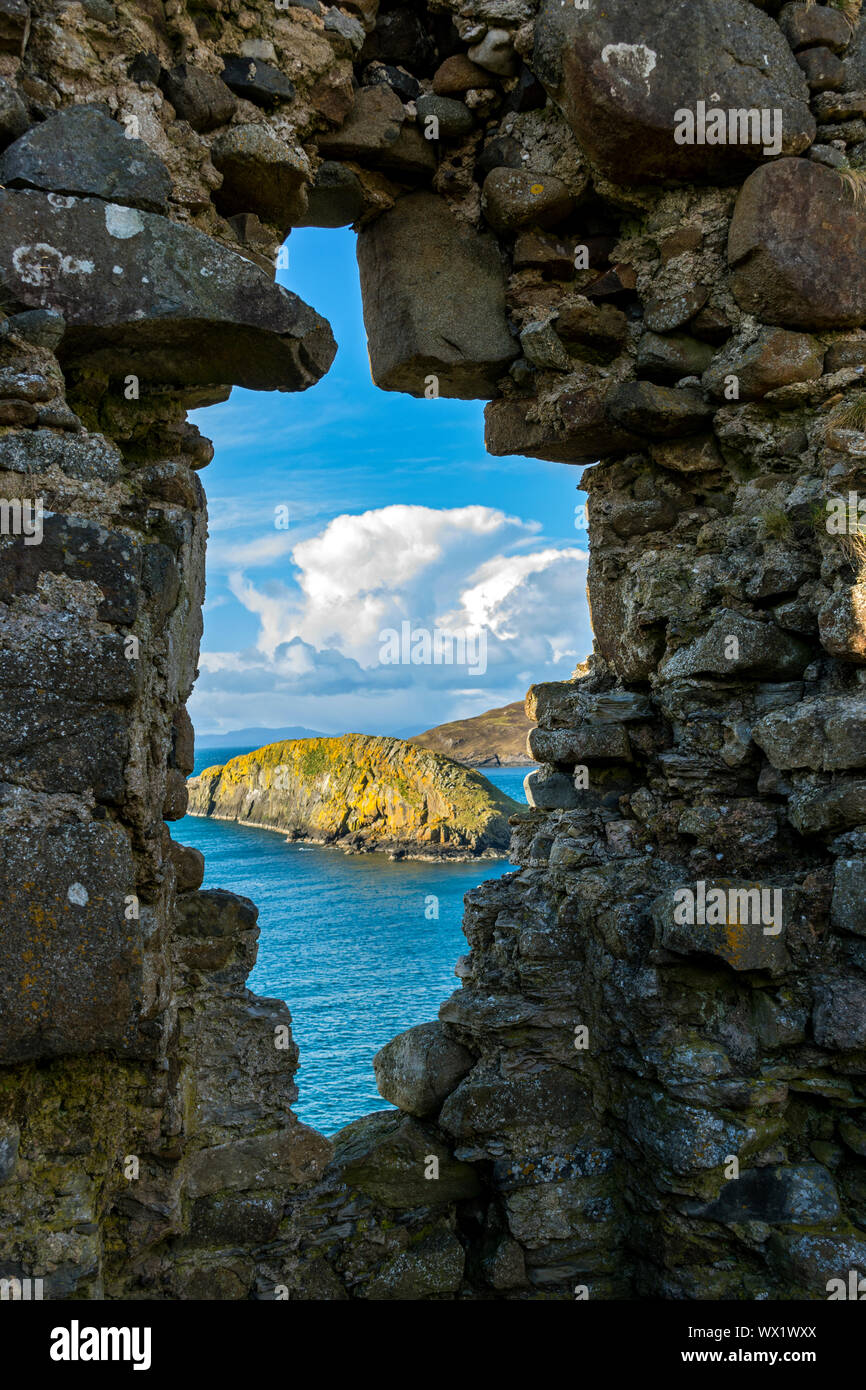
144 295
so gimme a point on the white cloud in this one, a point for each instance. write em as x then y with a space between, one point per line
317 648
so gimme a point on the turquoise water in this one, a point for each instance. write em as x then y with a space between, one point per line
352 943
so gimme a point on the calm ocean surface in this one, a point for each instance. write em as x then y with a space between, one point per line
345 942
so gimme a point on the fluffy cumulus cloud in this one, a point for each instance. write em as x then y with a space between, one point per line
321 655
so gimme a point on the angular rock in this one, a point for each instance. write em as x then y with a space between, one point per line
80 151
826 735
70 981
549 789
432 1268
696 455
745 939
797 246
848 911
399 37
400 81
419 1068
580 432
839 1014
665 314
162 301
799 1195
600 327
13 114
261 174
14 25
842 624
807 25
434 302
776 358
375 133
824 71
658 411
669 358
199 98
620 72
739 646
336 198
257 81
385 1156
495 53
543 348
515 198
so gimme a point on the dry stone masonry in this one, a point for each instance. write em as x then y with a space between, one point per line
638 230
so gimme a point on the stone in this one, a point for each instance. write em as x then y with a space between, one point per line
848 910
199 98
824 71
434 302
458 74
840 806
13 114
454 117
39 327
432 1268
827 735
543 348
798 1194
417 1069
587 744
375 133
661 412
600 327
741 941
384 1155
698 454
669 358
81 550
839 1014
70 982
549 789
261 174
502 152
547 253
797 248
849 352
407 87
807 25
842 624
579 433
495 53
257 82
621 73
776 358
145 67
665 314
182 309
336 198
399 37
737 646
80 151
349 29
14 26
515 198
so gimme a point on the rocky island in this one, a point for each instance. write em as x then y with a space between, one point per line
496 738
361 793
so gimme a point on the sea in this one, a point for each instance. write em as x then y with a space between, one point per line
360 947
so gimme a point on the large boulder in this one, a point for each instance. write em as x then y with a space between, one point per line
419 1068
376 134
434 302
797 246
80 151
147 296
621 71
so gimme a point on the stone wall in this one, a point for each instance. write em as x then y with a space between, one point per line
619 1100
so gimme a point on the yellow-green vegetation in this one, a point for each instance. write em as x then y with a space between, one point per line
496 737
360 791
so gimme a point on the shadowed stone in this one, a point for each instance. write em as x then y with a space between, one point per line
144 295
434 302
797 246
621 71
198 97
261 174
80 151
257 81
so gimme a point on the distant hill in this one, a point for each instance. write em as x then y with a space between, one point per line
494 739
256 737
361 793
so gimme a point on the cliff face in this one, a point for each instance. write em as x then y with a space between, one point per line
651 1079
496 738
360 793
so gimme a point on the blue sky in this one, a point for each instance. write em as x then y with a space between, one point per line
395 513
